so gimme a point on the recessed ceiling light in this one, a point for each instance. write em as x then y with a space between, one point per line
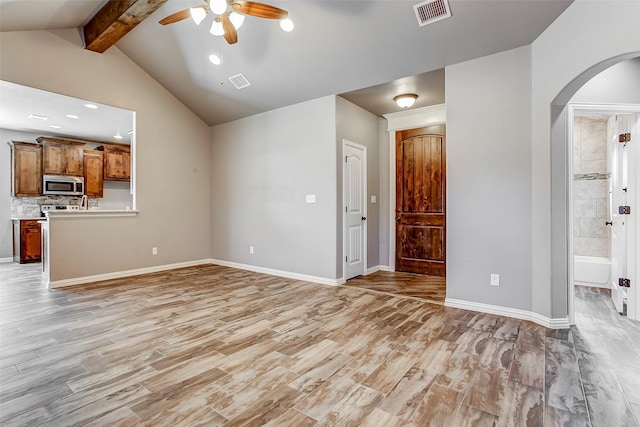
37 117
72 116
287 25
117 136
215 59
92 106
55 126
130 132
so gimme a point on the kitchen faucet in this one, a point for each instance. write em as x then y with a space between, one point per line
84 202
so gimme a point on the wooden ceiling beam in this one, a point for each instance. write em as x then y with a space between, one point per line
115 20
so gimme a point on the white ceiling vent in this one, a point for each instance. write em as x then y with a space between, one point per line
431 11
239 81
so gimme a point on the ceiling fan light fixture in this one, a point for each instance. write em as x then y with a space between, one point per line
405 100
216 28
197 14
218 6
286 25
236 19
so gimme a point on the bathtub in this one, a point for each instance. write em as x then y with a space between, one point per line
591 271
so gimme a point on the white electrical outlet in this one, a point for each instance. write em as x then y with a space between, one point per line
251 249
495 279
154 251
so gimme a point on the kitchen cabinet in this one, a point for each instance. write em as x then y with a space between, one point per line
61 156
117 162
26 240
26 169
93 173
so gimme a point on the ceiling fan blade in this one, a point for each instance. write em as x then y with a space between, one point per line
230 33
260 10
177 17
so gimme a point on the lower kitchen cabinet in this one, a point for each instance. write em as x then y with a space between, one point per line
26 240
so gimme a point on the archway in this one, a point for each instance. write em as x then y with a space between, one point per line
561 265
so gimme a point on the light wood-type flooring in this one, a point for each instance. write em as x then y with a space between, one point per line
430 288
214 346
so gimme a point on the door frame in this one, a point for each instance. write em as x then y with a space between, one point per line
574 108
404 120
365 227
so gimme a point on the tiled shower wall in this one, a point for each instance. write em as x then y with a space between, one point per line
590 187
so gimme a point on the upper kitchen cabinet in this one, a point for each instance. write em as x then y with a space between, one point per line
117 162
26 167
93 174
61 156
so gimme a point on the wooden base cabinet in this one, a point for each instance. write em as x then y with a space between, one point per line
26 240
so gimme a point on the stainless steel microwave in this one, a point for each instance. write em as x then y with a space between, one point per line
62 185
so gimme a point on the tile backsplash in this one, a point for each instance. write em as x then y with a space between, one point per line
24 207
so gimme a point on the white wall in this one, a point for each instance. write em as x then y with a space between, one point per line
360 126
172 157
489 179
619 84
586 39
263 166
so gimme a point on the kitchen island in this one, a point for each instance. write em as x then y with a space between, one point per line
72 240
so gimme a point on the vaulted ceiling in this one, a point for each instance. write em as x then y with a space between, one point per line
365 50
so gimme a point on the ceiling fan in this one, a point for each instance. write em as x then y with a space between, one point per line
227 21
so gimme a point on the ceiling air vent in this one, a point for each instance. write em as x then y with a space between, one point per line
431 11
239 81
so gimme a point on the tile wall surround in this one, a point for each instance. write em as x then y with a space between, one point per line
590 187
29 207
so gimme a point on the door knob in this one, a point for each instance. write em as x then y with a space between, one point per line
364 218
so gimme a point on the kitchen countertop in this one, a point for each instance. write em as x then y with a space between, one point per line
89 213
37 218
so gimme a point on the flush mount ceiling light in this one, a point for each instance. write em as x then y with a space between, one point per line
229 15
406 100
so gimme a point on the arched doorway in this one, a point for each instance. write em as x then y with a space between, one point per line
561 179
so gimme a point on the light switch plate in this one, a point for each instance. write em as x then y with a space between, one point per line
311 198
374 199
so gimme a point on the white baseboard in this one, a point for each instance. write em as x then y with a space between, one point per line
547 322
280 273
378 268
372 270
7 259
127 273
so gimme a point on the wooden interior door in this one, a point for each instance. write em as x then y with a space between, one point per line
421 201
